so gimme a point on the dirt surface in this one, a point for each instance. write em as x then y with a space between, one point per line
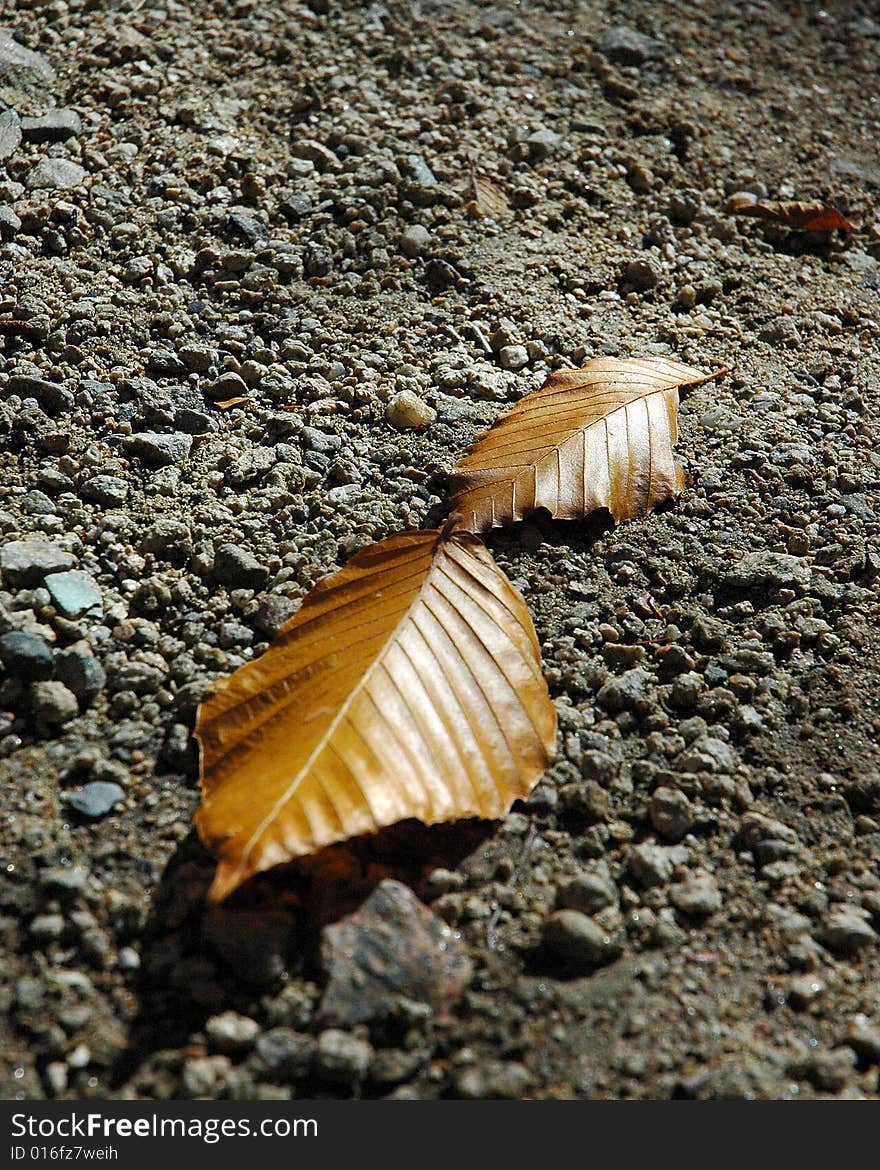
273 203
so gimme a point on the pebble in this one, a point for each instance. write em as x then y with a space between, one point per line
37 503
56 126
10 133
579 941
392 947
846 929
81 672
341 1057
671 813
697 895
109 490
159 450
168 538
96 799
863 1036
414 241
10 224
589 893
232 1033
285 1054
236 568
625 46
52 397
55 174
513 357
763 570
26 562
628 692
407 410
75 593
53 703
653 865
26 656
503 1080
638 276
706 754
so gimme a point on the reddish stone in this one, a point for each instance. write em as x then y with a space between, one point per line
391 947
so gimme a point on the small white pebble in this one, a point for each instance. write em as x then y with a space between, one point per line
408 410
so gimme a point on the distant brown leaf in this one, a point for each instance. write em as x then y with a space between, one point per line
597 437
800 217
228 403
407 685
490 199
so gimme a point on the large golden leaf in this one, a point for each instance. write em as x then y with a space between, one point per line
408 685
597 437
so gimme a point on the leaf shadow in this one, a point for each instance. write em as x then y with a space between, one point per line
198 960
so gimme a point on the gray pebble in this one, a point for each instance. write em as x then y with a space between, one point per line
414 241
625 46
513 357
761 570
698 895
342 1057
238 569
159 450
629 692
496 1079
846 929
37 503
10 133
109 490
55 174
25 656
285 1054
96 799
589 893
81 672
169 538
56 126
653 865
671 813
75 593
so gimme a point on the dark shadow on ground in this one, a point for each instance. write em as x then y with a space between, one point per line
199 960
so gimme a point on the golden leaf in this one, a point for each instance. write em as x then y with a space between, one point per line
407 685
597 437
800 217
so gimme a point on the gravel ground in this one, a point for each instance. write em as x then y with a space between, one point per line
272 203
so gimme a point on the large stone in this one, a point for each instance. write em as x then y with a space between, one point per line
391 948
26 562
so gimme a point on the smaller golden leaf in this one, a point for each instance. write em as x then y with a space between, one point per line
597 437
407 685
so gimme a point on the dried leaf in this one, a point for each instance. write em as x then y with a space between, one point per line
228 403
800 217
597 437
490 199
407 685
